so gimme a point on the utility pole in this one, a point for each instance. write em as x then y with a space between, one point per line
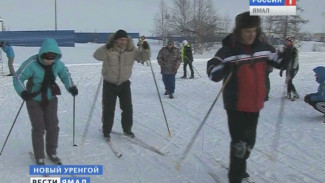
56 26
323 14
1 29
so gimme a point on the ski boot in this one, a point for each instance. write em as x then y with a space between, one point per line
183 77
171 96
288 96
40 161
192 77
129 133
107 136
166 92
295 95
55 159
247 180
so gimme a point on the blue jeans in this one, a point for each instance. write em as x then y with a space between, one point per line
169 82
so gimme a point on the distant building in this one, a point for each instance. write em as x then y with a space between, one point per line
320 37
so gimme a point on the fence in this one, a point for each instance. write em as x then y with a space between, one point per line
65 38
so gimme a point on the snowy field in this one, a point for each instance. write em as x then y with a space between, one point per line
287 151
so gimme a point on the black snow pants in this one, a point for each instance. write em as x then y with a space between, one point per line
110 94
242 129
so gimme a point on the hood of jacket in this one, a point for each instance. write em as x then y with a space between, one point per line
49 45
320 71
129 45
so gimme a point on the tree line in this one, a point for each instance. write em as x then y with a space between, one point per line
198 22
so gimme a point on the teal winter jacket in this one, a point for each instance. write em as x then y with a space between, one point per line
8 50
32 71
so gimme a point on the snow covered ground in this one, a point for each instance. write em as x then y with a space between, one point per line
287 151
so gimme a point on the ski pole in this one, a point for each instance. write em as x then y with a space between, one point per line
12 126
162 106
91 112
1 64
74 119
190 144
196 70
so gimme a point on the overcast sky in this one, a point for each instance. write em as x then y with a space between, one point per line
110 15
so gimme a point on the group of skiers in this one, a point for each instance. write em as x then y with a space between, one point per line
242 63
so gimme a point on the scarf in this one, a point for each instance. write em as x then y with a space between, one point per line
48 82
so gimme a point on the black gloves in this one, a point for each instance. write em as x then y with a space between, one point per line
109 45
145 45
26 95
73 90
281 71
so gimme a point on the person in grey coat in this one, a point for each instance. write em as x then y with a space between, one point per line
169 60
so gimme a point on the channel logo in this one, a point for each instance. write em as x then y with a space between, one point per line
272 7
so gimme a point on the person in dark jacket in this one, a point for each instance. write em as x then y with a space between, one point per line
317 100
118 56
7 48
187 58
242 64
41 71
169 60
291 67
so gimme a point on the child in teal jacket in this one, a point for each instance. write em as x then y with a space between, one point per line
40 93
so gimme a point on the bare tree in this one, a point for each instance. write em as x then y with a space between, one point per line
284 26
205 24
196 20
181 17
224 24
162 26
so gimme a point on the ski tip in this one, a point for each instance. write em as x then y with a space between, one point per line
163 153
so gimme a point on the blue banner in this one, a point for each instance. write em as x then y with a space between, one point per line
66 169
65 38
266 2
98 37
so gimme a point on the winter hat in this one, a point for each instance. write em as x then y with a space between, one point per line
170 42
120 34
185 42
244 20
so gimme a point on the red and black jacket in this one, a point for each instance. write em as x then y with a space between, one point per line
246 88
